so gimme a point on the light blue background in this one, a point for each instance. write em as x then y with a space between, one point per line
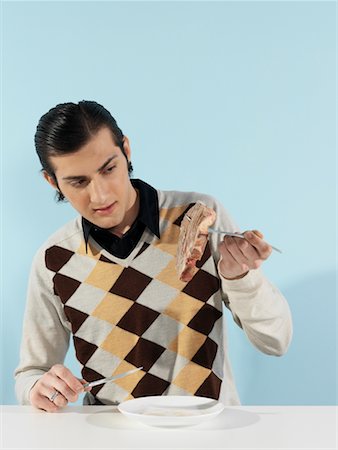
234 99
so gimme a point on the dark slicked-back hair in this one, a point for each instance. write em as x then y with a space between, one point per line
67 127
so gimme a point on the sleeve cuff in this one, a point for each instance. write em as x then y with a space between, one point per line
249 283
24 386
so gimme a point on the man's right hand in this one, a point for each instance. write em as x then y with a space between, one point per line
57 379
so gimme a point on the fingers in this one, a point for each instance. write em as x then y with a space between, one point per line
239 255
44 403
243 251
255 239
47 391
66 383
58 379
40 395
230 266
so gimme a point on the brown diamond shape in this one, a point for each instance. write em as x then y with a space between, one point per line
206 255
130 284
138 319
83 349
202 286
91 375
75 317
180 218
205 319
144 247
144 354
64 286
210 387
206 354
104 259
150 385
56 257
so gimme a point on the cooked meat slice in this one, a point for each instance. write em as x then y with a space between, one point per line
193 239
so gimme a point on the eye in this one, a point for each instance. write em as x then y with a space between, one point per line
78 183
110 169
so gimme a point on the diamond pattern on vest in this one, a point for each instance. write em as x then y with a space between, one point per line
56 257
83 349
106 260
132 290
211 384
202 286
182 214
206 354
150 385
205 319
75 317
138 319
206 255
142 315
64 286
145 354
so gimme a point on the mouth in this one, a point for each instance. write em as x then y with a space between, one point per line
105 209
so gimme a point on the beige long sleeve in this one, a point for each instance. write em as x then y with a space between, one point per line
261 310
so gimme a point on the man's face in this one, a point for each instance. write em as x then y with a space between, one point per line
95 181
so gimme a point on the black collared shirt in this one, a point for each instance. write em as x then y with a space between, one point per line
148 217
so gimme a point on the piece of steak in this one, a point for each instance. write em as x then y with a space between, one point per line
193 239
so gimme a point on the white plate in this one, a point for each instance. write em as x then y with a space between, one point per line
171 410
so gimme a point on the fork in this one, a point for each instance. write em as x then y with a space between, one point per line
239 235
113 378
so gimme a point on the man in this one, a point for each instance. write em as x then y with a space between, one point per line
108 278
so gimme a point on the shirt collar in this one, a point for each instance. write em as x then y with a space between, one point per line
148 214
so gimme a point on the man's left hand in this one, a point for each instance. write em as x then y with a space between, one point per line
238 255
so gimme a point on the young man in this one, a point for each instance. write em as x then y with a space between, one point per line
108 278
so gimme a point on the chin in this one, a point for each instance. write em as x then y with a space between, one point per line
106 223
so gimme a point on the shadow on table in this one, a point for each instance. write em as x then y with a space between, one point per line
228 419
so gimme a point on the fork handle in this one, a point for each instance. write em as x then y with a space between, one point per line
239 235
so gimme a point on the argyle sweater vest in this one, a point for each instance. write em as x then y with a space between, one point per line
136 312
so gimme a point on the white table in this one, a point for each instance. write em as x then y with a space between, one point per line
242 427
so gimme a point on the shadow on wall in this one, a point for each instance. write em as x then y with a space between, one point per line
307 373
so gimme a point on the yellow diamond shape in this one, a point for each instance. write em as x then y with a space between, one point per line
191 377
169 275
183 308
129 382
169 239
187 342
171 214
91 250
119 342
104 275
112 308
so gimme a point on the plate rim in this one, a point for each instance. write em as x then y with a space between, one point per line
219 407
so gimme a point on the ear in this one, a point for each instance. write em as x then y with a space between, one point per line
126 147
50 180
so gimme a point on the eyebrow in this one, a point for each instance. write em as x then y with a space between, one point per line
80 177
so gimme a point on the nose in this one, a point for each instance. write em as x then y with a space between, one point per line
98 192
